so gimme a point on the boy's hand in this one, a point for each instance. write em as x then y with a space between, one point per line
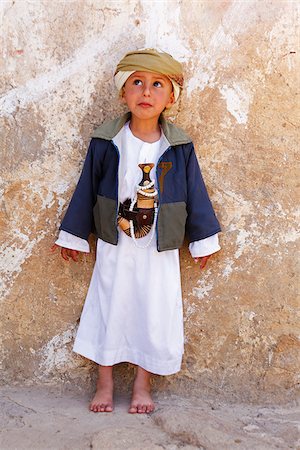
66 253
203 261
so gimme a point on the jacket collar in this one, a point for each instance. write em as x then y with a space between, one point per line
108 130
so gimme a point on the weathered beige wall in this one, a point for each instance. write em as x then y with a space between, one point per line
242 109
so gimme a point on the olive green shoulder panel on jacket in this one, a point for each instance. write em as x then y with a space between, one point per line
108 130
174 134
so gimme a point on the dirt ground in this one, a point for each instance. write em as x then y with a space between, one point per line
45 418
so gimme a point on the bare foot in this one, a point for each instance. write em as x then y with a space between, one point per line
141 401
103 399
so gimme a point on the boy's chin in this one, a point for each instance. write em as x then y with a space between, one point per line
146 114
142 116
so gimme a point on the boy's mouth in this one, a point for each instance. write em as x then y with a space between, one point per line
144 105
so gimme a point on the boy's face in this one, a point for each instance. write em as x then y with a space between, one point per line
147 94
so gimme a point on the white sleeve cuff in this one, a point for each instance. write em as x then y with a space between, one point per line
205 247
72 242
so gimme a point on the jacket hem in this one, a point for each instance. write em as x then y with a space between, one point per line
198 238
169 248
106 240
68 230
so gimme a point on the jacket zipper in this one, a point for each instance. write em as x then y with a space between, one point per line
159 197
117 190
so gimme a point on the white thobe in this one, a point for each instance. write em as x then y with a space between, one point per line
133 310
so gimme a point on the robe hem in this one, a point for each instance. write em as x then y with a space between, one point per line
130 356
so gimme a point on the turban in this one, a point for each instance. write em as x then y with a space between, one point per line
150 60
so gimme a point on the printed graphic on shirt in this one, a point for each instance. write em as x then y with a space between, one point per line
136 216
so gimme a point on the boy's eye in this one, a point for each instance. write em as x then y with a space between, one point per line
138 82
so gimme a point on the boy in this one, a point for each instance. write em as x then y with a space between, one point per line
133 309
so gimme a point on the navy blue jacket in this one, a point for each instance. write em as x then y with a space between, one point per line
184 205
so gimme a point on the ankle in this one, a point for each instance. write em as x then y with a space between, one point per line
142 383
105 372
142 378
105 381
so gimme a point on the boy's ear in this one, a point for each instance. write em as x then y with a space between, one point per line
171 101
121 95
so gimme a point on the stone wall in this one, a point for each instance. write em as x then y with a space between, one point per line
240 107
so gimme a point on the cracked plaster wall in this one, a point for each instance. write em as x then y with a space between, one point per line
241 107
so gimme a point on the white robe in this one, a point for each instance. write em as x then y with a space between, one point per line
133 310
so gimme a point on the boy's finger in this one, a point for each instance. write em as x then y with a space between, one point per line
53 247
204 261
74 255
64 253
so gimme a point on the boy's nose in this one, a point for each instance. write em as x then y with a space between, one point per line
146 90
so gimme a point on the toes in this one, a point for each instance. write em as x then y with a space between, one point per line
101 407
139 408
133 409
148 408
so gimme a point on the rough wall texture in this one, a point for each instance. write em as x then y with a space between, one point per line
240 107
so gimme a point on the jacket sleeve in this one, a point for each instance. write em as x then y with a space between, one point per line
201 219
78 219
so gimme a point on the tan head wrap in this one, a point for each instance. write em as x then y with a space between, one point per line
150 60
